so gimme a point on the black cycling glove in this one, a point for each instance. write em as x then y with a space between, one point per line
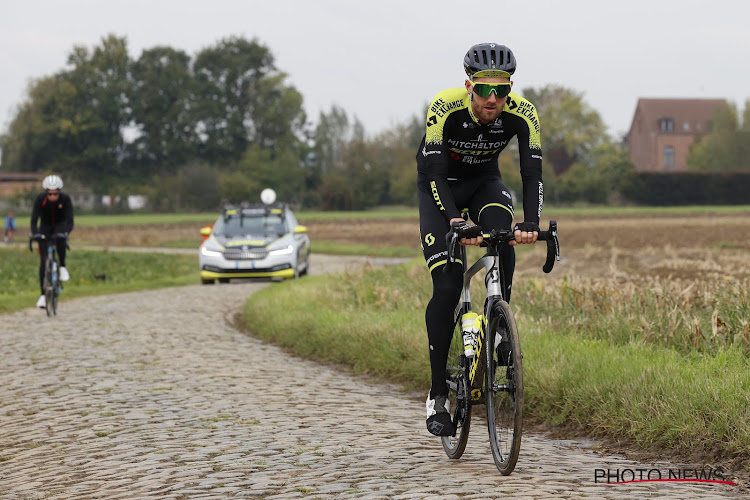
467 230
527 227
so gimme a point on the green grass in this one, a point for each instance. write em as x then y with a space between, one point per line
633 390
655 397
125 271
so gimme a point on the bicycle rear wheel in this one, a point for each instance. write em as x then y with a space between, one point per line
458 396
504 391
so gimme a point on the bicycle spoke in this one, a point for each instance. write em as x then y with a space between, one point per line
504 400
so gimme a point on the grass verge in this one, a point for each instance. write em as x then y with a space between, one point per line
122 272
637 392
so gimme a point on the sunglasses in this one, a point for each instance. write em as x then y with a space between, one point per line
51 193
484 90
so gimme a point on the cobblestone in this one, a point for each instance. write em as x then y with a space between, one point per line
154 395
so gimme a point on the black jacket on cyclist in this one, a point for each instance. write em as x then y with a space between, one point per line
49 217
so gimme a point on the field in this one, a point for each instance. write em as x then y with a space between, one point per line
671 243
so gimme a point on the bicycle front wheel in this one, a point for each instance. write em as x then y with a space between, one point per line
56 292
458 396
49 289
504 391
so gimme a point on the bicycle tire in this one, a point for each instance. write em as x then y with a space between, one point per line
48 288
458 396
504 389
56 290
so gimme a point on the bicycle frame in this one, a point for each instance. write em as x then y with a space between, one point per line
51 285
495 284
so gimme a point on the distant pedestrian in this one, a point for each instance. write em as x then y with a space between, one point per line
10 227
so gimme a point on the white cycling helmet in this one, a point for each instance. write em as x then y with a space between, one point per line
52 182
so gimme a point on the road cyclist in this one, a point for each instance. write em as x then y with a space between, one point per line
457 162
51 215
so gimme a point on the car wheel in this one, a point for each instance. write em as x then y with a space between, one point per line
223 280
206 282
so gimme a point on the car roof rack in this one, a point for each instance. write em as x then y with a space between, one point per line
248 209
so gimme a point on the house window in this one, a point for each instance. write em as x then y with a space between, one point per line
668 157
666 125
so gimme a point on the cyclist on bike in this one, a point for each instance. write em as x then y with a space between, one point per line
53 211
457 165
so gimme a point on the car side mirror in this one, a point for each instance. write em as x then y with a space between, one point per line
206 231
300 229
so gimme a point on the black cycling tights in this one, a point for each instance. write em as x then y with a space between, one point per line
446 292
60 244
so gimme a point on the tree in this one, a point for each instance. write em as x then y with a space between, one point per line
43 131
72 121
280 170
596 182
727 147
161 97
100 78
571 129
226 78
332 133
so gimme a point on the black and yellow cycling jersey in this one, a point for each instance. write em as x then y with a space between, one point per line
457 146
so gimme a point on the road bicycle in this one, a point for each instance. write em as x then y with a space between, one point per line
52 285
493 376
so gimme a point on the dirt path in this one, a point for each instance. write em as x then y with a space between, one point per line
155 394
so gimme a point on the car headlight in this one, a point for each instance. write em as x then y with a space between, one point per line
209 253
282 251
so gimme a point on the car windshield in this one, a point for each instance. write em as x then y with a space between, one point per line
250 223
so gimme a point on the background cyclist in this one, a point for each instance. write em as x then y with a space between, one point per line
457 165
53 212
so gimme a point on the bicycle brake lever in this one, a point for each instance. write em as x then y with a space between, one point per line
451 238
553 247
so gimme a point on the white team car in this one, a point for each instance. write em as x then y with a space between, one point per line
254 241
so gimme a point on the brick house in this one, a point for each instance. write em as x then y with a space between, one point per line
13 183
663 129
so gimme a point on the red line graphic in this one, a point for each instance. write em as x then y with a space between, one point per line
676 480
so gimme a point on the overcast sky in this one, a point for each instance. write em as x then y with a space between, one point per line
383 60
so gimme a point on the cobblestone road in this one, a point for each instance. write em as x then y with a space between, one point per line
154 395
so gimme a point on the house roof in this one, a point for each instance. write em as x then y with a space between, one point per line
20 176
691 111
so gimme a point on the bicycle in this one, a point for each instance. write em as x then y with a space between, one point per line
494 374
52 285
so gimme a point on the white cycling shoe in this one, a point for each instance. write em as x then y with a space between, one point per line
64 274
438 416
42 302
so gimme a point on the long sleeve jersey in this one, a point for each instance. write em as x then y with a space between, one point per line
457 146
52 217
